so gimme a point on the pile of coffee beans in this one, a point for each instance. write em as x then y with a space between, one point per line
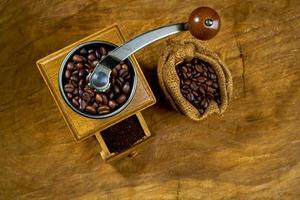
86 99
123 135
198 83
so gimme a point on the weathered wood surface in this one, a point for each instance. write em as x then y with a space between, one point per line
252 152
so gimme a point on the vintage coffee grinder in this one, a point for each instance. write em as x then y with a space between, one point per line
203 23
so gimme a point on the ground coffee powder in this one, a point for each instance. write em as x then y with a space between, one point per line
123 135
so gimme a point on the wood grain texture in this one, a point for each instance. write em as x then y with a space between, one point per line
252 152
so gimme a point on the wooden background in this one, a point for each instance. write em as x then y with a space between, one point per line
252 152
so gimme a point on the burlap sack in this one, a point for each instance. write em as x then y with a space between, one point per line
174 53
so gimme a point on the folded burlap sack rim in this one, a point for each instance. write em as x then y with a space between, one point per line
176 52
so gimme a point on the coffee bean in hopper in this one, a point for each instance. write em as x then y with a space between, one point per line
198 83
88 99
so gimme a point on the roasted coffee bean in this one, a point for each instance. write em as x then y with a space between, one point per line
90 92
194 86
126 88
185 86
103 51
202 79
92 57
87 99
125 74
205 104
73 83
69 96
187 82
116 89
78 58
95 63
183 91
210 69
74 78
81 83
121 98
189 74
82 104
68 88
213 76
81 73
91 109
111 95
83 51
201 90
196 94
98 98
119 83
209 95
114 72
204 86
75 92
103 109
112 104
92 99
198 83
80 92
112 80
199 69
190 97
97 53
79 65
70 66
197 75
95 105
88 65
75 103
122 72
209 82
210 90
67 74
75 72
121 80
202 103
125 66
104 99
184 69
87 80
201 110
127 77
118 67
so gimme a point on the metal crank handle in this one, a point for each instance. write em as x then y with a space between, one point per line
203 23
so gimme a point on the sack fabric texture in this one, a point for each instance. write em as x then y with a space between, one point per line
178 51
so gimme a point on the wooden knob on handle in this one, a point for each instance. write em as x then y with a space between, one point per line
204 23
